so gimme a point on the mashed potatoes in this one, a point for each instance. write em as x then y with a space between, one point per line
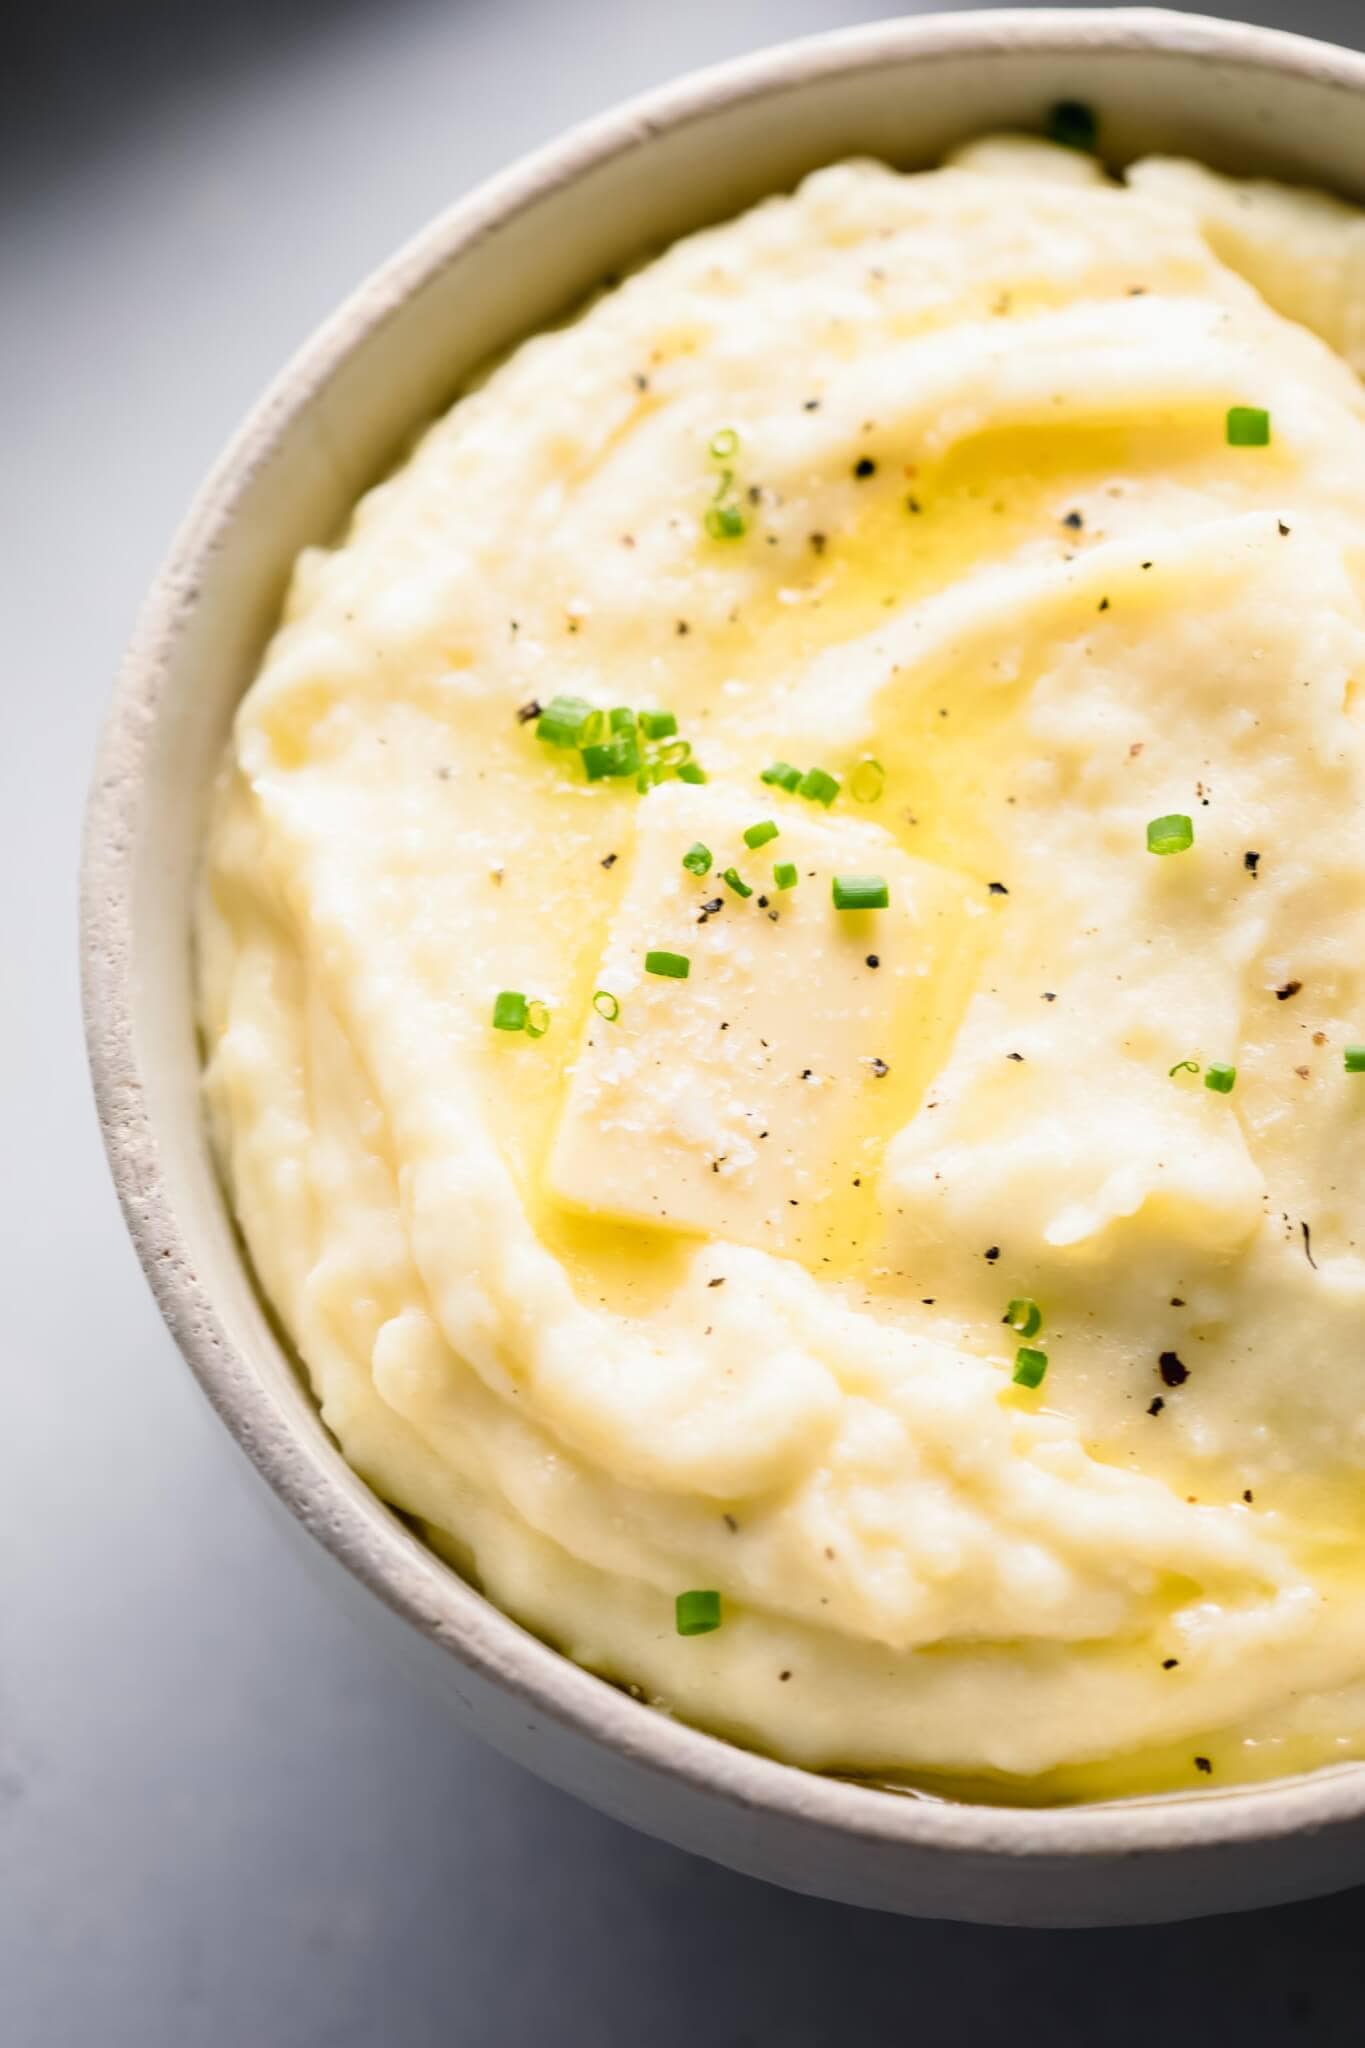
1028 511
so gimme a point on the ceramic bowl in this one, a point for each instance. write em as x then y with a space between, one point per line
498 265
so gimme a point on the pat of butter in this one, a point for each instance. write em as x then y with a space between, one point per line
751 1100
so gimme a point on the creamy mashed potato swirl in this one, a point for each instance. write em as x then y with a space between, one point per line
704 1288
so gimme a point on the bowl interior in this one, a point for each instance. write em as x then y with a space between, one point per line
516 256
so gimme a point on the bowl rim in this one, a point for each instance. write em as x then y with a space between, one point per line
310 1477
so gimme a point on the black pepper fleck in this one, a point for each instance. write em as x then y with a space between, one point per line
997 889
1251 861
1169 1663
874 960
992 1253
1290 988
1074 521
1155 1407
1173 1372
608 860
526 712
1201 1763
864 466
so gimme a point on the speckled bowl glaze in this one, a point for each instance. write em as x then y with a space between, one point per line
498 265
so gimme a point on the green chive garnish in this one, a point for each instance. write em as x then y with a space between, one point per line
861 892
724 445
622 719
1025 1316
1029 1366
562 722
606 1005
1248 426
697 859
867 781
784 874
537 1020
618 756
735 881
1171 834
509 1011
658 725
724 522
760 834
691 771
673 966
1073 124
675 753
1220 1078
1182 1067
1355 1059
698 1613
782 774
821 787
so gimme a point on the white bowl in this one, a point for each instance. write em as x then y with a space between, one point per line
497 266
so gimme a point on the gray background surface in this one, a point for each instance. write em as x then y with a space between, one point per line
222 1820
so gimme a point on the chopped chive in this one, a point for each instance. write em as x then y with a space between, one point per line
724 522
675 753
1222 1079
673 966
691 771
724 445
782 774
562 721
1025 1316
537 1020
736 881
606 1005
658 725
1073 124
1171 834
759 835
618 756
867 781
861 892
698 1613
1355 1059
697 859
509 1011
1029 1366
622 719
1248 426
1182 1067
784 874
819 786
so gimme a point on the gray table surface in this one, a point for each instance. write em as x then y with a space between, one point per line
222 1820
